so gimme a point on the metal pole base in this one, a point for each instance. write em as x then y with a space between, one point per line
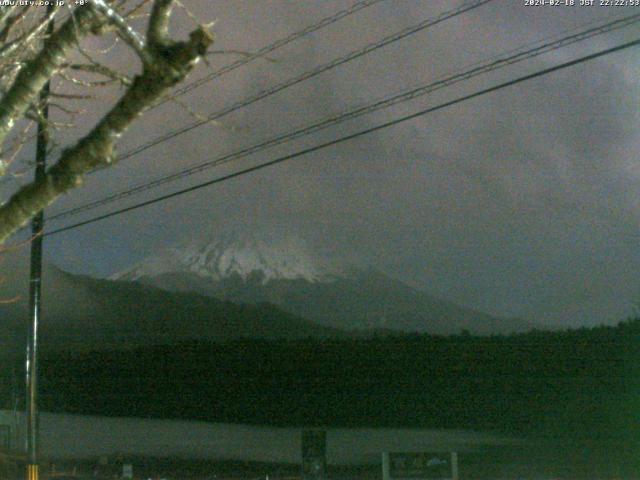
32 472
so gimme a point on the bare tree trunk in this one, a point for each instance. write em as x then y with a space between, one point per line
165 63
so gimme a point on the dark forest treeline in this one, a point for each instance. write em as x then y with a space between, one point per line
578 384
574 395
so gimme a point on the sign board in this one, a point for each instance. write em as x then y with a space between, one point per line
127 470
420 465
314 455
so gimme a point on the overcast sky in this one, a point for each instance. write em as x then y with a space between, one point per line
523 202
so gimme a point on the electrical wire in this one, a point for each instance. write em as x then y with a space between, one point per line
395 37
352 136
264 51
405 96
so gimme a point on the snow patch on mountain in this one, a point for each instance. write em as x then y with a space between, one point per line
236 254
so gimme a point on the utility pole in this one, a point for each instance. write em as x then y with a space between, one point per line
35 281
314 455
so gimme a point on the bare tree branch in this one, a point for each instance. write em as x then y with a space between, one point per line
28 36
104 71
159 23
170 62
128 34
11 22
36 73
5 14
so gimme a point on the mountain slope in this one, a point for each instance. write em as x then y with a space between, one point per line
246 270
84 312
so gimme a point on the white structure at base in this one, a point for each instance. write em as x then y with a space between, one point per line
387 473
65 436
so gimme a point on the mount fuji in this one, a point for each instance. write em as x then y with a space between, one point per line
283 271
235 255
84 313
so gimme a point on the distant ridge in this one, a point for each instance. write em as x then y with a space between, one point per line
285 272
85 313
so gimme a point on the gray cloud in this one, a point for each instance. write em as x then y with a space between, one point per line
522 202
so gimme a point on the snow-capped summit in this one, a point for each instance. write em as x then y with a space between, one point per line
236 254
282 271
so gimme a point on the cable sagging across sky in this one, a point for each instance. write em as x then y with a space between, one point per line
352 136
405 96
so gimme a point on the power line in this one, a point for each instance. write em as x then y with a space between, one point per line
267 49
264 51
310 74
325 22
411 94
352 136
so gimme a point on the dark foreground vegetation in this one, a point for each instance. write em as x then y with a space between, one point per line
578 390
586 380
